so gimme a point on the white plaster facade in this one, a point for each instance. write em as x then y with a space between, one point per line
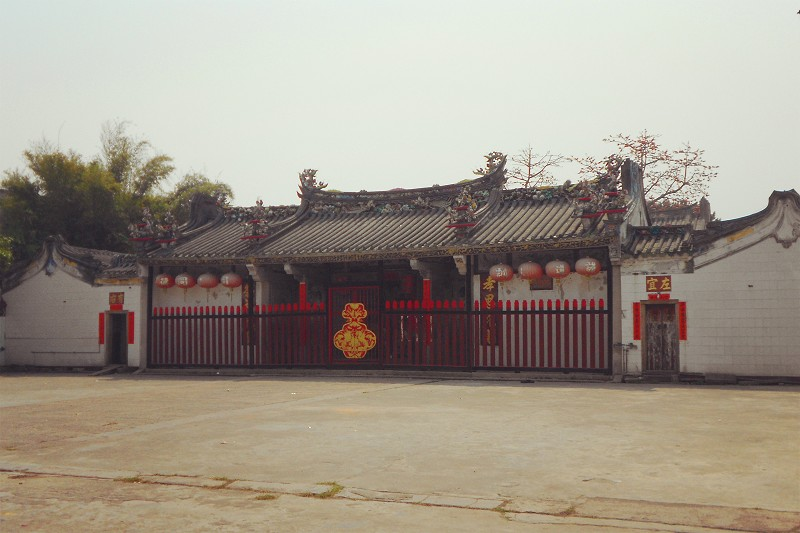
742 297
59 311
54 320
197 297
573 287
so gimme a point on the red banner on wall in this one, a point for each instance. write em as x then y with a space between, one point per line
101 328
131 331
682 327
637 321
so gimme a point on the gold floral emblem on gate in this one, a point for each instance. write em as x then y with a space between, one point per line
354 339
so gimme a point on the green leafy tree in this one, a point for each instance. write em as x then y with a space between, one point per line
61 194
178 200
91 202
132 162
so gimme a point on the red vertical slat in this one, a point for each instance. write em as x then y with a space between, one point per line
559 317
637 321
238 337
101 328
575 342
601 348
592 336
549 334
151 355
540 333
169 336
568 346
419 338
476 334
517 339
584 333
181 320
216 329
161 324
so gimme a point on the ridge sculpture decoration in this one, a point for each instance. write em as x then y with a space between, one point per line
355 339
255 226
150 230
461 213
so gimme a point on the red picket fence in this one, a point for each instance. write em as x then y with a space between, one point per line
288 335
520 335
424 334
275 335
547 335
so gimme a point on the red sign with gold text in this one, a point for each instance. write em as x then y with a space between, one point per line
658 283
116 300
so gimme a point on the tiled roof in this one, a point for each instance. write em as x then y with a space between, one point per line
677 216
88 264
658 240
106 264
331 226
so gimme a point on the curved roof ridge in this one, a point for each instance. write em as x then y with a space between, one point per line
436 193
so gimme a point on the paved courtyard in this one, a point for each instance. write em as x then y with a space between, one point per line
265 453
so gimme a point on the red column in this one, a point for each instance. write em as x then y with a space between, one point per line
303 296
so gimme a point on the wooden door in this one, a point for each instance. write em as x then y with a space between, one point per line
354 318
661 338
118 345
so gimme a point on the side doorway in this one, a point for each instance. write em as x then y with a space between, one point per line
661 346
117 347
354 315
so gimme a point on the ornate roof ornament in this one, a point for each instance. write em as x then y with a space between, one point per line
603 195
253 222
494 160
151 230
309 183
461 212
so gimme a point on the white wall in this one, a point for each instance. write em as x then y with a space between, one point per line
572 287
53 321
197 297
743 311
2 340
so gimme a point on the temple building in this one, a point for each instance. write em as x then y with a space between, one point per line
579 279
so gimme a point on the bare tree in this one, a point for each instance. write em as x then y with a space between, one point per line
671 177
533 170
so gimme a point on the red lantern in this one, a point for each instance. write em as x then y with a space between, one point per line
530 270
207 280
501 272
231 280
587 266
185 281
557 269
164 281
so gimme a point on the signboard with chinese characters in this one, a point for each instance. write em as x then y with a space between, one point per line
658 283
116 300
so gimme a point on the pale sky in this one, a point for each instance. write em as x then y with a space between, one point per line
384 94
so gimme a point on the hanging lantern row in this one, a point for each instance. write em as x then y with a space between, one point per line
185 281
164 281
557 269
231 280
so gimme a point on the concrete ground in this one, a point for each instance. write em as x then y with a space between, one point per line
224 453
